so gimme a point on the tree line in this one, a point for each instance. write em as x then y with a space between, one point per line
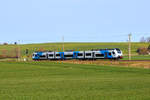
145 39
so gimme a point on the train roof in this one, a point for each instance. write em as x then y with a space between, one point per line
104 49
82 50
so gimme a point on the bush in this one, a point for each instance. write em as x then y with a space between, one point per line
142 51
148 48
5 43
1 56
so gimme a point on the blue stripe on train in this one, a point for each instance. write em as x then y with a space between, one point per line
37 57
106 53
75 54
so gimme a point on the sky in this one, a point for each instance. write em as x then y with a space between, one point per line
42 21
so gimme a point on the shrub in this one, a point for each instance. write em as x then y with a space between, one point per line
142 51
148 48
5 43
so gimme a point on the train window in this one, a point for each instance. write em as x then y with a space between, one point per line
80 54
42 56
118 50
88 54
68 55
51 55
113 52
57 54
109 54
99 55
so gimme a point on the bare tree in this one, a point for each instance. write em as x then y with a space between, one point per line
4 53
143 39
142 51
148 39
5 43
148 48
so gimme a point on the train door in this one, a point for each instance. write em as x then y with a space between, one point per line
106 54
75 55
93 55
62 56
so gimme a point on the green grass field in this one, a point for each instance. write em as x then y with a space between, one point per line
138 57
57 81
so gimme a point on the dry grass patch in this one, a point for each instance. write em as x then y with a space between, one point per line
139 64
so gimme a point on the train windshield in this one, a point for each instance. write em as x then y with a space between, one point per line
118 50
35 55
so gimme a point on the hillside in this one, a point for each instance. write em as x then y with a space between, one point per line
71 46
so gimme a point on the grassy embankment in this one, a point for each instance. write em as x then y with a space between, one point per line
57 81
79 46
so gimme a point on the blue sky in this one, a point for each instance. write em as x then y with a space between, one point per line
37 21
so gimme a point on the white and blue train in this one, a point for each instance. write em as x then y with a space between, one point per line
82 55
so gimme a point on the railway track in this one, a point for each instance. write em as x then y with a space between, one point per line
99 60
134 60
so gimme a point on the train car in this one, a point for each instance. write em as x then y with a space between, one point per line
92 54
39 56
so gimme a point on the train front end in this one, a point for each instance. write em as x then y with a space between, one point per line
119 54
35 56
